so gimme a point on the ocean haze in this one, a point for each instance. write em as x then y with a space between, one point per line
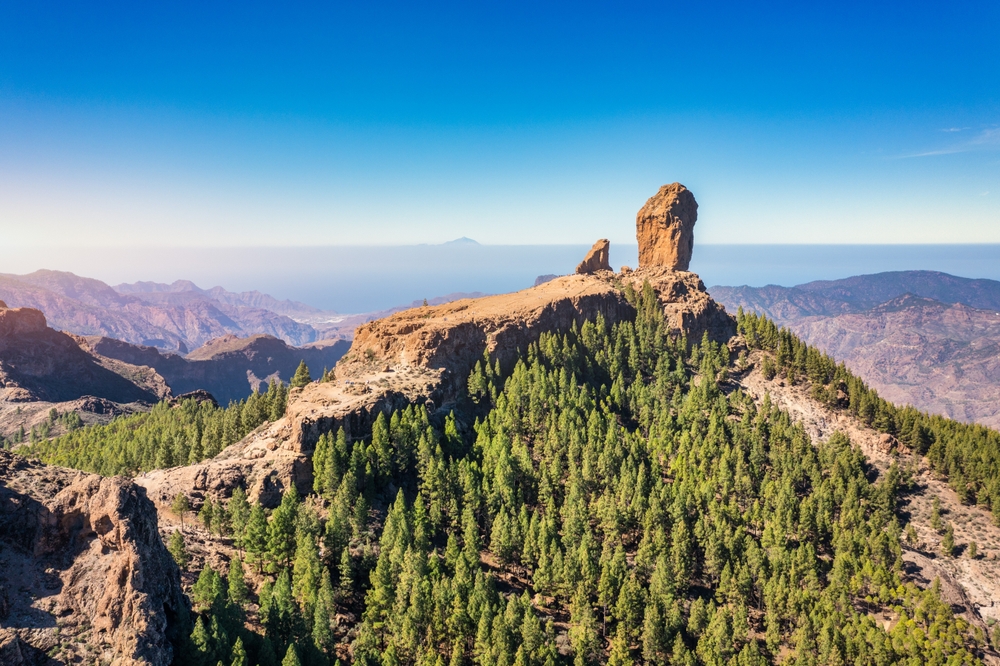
352 279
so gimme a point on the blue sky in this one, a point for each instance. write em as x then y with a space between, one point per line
370 123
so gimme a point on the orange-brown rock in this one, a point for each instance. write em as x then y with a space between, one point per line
596 259
664 228
82 569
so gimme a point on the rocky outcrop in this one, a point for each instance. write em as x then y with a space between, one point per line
83 571
39 363
596 259
664 228
424 355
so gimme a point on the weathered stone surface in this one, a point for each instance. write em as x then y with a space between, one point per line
596 259
81 553
664 228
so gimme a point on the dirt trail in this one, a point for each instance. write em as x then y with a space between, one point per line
971 586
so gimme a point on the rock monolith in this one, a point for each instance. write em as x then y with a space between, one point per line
664 228
596 259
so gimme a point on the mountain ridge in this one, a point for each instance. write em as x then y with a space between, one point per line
924 338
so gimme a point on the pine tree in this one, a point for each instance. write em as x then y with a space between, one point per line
284 619
301 377
205 515
201 639
255 538
306 572
238 592
239 515
203 592
948 541
281 530
346 571
936 523
583 629
180 506
266 655
291 657
620 653
239 654
324 609
178 550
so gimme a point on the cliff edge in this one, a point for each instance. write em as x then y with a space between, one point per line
83 572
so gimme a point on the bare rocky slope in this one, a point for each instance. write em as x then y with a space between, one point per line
97 378
919 337
42 369
84 575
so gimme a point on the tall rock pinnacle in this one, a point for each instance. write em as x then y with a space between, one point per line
664 228
596 259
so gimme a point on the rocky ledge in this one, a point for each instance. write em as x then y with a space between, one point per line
84 576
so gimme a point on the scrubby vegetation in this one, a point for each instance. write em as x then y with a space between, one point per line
166 436
613 504
968 454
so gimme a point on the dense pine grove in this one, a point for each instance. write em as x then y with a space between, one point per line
613 504
166 436
968 454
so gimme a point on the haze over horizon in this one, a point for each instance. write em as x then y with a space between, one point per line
131 125
353 279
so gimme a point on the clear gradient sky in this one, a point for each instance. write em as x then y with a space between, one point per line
249 123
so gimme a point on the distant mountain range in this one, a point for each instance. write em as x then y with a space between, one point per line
98 377
920 337
176 317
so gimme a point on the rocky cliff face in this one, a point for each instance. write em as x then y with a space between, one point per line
424 356
84 575
39 363
664 228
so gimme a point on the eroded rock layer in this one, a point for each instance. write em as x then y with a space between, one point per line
83 572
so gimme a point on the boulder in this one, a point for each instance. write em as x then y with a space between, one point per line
596 259
664 228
